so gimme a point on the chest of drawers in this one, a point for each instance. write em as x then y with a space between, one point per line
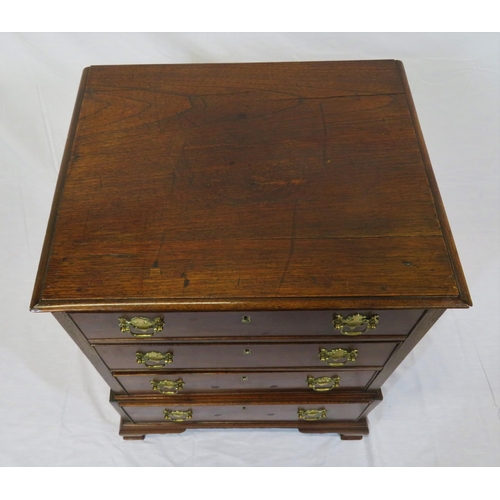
247 245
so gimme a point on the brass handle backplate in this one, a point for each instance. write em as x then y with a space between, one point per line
177 415
311 414
167 386
141 327
323 384
348 325
154 359
337 357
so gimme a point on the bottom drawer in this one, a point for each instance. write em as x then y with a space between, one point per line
293 407
176 413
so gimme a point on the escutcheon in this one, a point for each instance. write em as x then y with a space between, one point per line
318 414
323 384
177 415
349 324
337 357
154 359
141 327
167 386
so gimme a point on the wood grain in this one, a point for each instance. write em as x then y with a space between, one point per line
257 398
189 184
263 325
348 430
226 355
246 381
448 236
208 194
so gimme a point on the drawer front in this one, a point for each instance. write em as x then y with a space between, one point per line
185 383
179 356
247 324
193 413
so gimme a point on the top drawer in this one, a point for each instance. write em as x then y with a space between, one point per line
247 324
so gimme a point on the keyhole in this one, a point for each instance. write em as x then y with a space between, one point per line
245 319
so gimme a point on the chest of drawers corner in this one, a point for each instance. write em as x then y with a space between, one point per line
231 247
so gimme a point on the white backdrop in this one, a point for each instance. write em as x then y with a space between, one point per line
440 408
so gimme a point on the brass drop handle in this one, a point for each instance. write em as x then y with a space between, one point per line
337 357
323 384
167 386
154 359
311 414
177 415
146 327
348 325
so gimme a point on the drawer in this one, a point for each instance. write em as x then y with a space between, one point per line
180 356
182 383
297 406
192 413
247 324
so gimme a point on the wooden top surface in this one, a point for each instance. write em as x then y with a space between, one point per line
247 186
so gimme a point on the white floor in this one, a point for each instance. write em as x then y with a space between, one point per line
441 407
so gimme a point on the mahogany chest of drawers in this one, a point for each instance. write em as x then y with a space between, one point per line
247 245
